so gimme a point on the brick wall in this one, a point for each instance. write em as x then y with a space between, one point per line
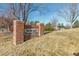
19 34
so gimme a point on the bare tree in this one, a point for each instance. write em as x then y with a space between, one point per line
71 14
8 18
54 22
22 10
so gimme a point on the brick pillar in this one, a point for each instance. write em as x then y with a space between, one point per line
18 32
40 29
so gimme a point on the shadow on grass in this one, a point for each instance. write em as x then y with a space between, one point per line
46 32
76 54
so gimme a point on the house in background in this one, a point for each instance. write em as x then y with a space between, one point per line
5 25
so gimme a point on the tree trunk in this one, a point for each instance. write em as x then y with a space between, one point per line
71 26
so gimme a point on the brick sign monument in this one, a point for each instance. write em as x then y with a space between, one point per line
23 32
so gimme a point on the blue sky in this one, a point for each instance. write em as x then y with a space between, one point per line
49 10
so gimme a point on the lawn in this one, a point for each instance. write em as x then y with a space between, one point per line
57 43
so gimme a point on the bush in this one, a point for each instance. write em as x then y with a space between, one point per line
48 27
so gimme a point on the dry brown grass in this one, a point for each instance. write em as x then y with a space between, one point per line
57 43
